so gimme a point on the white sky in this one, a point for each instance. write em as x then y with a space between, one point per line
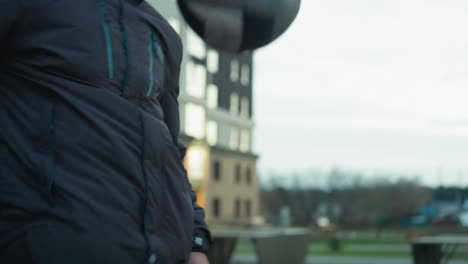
370 85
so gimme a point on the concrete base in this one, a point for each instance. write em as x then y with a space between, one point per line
272 246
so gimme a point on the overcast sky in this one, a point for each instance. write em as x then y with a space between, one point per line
369 85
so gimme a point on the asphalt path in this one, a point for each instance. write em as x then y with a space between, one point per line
366 247
375 247
252 259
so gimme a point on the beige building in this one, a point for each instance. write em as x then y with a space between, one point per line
216 123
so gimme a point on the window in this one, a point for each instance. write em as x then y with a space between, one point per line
245 75
195 79
175 23
212 96
237 208
195 45
234 139
237 173
212 133
216 207
194 121
224 135
248 208
234 106
196 158
245 141
217 170
234 70
212 61
248 175
244 110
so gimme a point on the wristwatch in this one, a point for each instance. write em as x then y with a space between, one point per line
200 244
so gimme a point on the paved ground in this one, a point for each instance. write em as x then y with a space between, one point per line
379 248
252 259
367 247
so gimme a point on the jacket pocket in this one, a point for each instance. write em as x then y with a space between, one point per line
177 219
176 225
107 37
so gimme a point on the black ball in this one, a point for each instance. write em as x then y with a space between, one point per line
238 25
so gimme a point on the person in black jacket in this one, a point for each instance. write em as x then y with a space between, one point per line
90 161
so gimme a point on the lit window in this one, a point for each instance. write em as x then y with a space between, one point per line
175 23
245 140
245 75
234 139
244 107
212 61
195 79
224 135
234 107
194 121
212 133
234 70
195 45
212 96
196 157
216 207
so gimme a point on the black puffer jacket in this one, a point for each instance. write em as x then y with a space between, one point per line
89 125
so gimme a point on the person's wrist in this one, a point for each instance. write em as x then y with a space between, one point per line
198 258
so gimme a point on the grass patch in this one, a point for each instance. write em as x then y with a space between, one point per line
244 247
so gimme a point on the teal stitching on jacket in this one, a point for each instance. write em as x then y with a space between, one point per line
107 36
151 65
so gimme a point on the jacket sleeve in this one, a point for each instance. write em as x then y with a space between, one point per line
201 234
9 11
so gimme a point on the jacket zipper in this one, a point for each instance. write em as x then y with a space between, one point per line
107 37
151 64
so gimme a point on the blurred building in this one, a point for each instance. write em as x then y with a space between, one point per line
216 124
